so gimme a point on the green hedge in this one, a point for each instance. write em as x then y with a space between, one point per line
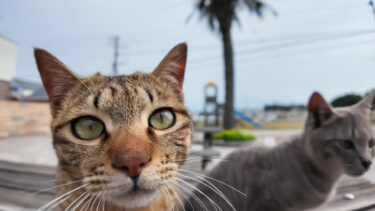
234 135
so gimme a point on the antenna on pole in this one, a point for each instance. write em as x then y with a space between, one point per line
116 45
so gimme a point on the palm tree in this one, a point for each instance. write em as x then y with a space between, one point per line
220 15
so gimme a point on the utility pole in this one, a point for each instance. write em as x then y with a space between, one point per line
116 45
372 5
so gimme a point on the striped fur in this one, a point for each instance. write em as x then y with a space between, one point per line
123 104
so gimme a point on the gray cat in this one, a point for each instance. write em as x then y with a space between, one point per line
296 175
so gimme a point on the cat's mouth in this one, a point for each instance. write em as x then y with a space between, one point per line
136 192
134 198
356 172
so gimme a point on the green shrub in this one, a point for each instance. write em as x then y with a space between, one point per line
346 100
234 135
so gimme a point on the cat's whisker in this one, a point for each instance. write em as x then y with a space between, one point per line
100 201
191 193
96 198
51 188
88 201
59 202
208 177
81 201
183 195
202 180
104 201
217 207
165 192
80 80
60 197
199 159
176 195
210 186
193 187
76 200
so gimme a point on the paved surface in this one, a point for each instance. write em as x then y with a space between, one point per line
35 149
38 150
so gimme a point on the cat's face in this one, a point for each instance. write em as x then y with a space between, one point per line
342 135
124 136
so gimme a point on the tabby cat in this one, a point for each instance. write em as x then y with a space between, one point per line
296 175
120 140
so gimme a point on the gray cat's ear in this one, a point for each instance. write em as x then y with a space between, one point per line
319 110
57 78
172 67
367 103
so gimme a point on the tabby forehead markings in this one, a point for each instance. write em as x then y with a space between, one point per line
123 103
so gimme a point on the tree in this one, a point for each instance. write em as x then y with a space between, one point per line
346 100
220 15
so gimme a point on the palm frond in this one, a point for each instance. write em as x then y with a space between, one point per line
219 12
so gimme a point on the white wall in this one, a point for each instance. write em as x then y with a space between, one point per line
8 59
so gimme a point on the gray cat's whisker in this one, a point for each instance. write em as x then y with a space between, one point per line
221 182
58 198
193 187
210 186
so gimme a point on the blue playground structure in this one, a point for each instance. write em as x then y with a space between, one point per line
247 119
213 109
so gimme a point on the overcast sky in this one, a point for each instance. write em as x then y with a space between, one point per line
321 45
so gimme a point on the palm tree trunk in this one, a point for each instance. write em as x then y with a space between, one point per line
229 79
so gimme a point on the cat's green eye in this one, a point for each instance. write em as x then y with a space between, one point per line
348 144
371 143
87 128
162 119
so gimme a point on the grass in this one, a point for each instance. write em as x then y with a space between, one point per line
234 135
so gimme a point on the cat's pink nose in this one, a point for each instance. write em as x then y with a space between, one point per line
134 166
132 163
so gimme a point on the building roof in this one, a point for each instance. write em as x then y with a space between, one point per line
36 91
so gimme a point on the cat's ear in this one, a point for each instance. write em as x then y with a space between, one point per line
367 103
319 110
57 78
172 67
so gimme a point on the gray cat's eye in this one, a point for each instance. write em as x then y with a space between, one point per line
371 143
162 119
87 128
348 144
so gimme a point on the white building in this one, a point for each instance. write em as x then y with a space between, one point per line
8 60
